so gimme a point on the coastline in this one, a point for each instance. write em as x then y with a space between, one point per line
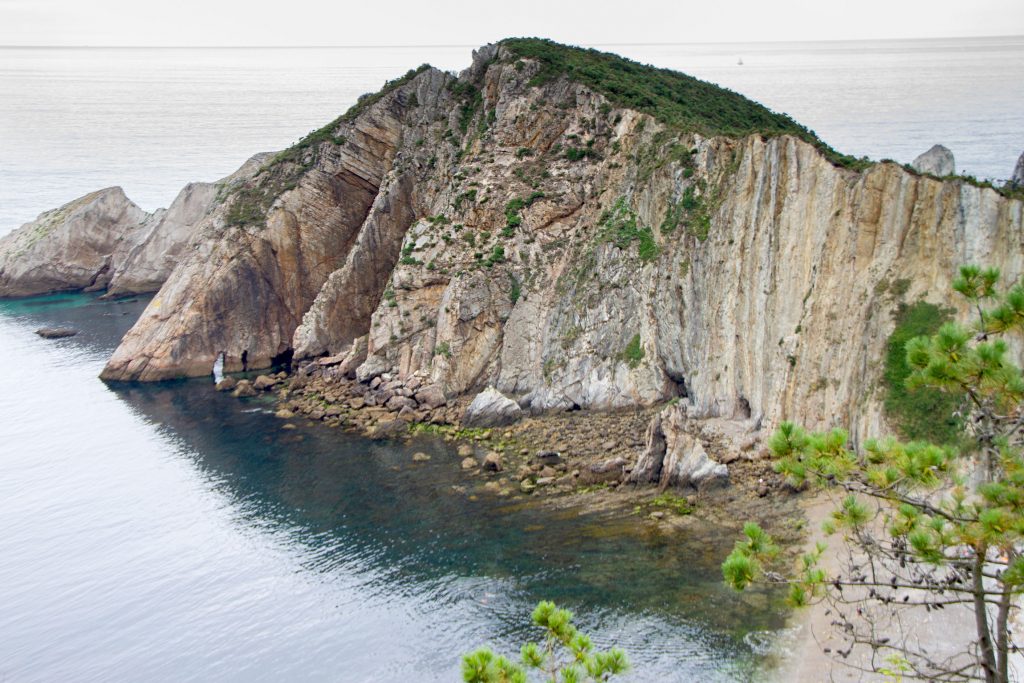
553 459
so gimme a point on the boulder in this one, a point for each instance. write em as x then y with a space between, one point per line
398 403
372 368
492 462
548 458
244 389
56 332
263 382
603 473
420 456
226 384
431 396
937 161
468 463
491 408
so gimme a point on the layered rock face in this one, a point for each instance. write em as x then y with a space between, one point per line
753 278
502 229
104 241
74 247
258 262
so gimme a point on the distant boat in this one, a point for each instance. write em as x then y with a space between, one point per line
740 62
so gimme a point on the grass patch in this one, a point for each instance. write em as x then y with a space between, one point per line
921 414
633 355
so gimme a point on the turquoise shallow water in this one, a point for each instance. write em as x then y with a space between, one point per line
173 533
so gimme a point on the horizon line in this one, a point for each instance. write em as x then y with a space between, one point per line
472 45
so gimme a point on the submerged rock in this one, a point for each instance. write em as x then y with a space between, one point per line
491 408
226 384
937 161
244 389
492 462
56 332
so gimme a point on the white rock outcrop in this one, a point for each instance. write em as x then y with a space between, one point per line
938 161
491 408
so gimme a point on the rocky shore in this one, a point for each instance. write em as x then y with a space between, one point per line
576 458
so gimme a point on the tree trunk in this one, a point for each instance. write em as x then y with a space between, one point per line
987 655
1002 635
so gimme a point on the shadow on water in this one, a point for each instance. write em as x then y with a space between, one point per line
364 507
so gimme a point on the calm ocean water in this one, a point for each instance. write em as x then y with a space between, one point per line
172 533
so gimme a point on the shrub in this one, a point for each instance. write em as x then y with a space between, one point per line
619 226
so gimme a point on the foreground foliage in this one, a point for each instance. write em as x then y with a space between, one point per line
565 656
926 526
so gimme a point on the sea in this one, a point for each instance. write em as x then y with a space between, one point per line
170 533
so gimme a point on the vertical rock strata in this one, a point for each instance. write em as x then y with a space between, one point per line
538 238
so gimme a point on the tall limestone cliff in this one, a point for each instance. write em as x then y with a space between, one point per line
577 231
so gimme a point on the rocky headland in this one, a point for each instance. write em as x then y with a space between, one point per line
552 237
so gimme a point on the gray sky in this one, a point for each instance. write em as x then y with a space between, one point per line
450 22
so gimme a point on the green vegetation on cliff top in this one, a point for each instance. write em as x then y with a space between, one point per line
671 97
